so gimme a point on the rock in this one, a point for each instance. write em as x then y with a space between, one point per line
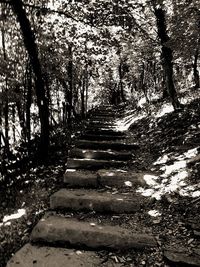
60 230
90 200
33 256
182 258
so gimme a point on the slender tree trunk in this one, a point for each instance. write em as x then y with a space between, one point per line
13 123
6 117
83 97
70 82
143 82
28 104
5 92
121 82
86 90
20 111
195 69
1 133
42 102
167 56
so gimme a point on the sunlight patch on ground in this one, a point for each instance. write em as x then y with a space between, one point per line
167 108
173 178
161 160
168 169
191 153
154 213
150 179
14 216
123 124
128 183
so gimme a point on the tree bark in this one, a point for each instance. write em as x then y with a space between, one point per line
70 82
5 92
83 97
31 47
167 56
195 69
28 104
121 87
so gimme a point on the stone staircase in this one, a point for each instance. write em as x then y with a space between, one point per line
92 169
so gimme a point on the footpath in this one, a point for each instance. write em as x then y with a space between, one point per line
98 162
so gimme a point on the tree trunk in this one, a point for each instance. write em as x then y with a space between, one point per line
28 104
83 97
70 82
86 89
13 123
42 102
5 92
143 82
121 75
167 56
195 69
1 133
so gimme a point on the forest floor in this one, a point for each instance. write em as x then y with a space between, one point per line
169 153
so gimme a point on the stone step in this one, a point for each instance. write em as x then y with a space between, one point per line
91 200
101 122
96 124
80 178
99 128
104 113
95 137
99 116
99 154
92 164
87 144
102 178
65 231
43 256
120 178
105 132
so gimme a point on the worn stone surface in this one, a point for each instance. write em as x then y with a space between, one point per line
33 256
120 178
59 230
100 124
104 132
92 164
101 137
90 200
102 178
79 178
182 258
99 154
87 144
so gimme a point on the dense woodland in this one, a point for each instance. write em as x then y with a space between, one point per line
59 60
